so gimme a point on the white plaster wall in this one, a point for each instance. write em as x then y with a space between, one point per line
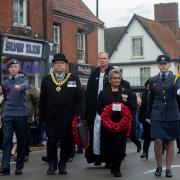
132 73
101 46
123 52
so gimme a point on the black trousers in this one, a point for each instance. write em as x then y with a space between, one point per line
147 137
66 148
115 160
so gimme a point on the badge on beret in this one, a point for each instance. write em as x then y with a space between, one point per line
163 58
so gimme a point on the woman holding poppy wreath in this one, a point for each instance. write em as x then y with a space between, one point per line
113 141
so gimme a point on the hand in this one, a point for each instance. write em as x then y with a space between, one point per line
178 92
17 87
148 120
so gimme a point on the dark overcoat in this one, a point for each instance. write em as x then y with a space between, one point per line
91 96
57 109
113 142
162 103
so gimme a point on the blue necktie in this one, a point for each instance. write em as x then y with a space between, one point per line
163 77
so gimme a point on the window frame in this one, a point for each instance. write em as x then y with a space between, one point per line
145 73
56 40
135 55
81 47
17 12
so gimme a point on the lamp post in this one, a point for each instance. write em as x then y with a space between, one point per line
97 8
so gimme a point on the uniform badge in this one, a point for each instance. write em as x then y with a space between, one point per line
124 97
71 84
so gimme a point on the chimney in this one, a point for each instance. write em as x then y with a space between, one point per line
167 14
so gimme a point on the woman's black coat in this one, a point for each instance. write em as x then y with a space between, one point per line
113 142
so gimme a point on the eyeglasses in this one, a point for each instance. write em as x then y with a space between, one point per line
59 62
114 78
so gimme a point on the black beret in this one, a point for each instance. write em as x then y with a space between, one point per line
163 59
10 62
59 57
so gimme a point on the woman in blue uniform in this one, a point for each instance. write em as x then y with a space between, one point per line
163 113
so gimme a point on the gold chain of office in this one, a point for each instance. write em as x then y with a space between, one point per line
59 84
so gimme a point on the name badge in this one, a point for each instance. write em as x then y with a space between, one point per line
71 84
116 107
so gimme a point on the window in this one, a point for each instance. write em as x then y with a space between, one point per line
20 12
56 32
81 47
144 75
137 47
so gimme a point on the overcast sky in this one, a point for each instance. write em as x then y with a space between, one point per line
119 12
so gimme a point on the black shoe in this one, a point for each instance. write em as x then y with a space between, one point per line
144 155
4 171
169 173
97 163
79 151
18 171
26 159
70 160
107 165
117 174
50 171
158 171
45 158
62 170
139 148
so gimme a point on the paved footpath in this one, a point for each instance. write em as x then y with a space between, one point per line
133 168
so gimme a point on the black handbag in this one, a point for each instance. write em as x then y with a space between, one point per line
80 132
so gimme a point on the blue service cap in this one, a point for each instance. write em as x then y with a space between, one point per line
10 62
163 59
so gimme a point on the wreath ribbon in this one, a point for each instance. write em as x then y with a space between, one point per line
123 124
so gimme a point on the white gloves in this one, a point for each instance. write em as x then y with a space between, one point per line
148 120
178 92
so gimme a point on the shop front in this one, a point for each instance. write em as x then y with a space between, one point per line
82 71
31 54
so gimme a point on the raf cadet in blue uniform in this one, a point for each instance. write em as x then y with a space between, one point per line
163 112
15 117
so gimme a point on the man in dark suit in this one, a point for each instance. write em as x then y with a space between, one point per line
97 81
60 100
163 112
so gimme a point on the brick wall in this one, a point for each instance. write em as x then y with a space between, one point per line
69 29
41 22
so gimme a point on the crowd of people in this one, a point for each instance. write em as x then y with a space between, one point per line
113 112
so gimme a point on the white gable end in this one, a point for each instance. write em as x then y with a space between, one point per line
123 53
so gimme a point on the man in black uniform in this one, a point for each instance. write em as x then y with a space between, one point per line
60 100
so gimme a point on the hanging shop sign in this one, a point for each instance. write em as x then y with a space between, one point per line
22 48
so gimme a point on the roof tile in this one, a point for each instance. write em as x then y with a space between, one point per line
76 8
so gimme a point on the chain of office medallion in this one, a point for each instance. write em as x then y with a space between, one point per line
59 83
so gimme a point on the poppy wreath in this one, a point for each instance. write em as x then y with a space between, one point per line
75 133
123 124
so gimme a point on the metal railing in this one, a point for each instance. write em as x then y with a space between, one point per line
136 81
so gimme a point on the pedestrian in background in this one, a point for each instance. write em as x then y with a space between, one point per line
163 113
60 100
15 117
146 125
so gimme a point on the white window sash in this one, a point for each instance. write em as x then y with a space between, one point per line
20 12
137 47
81 47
